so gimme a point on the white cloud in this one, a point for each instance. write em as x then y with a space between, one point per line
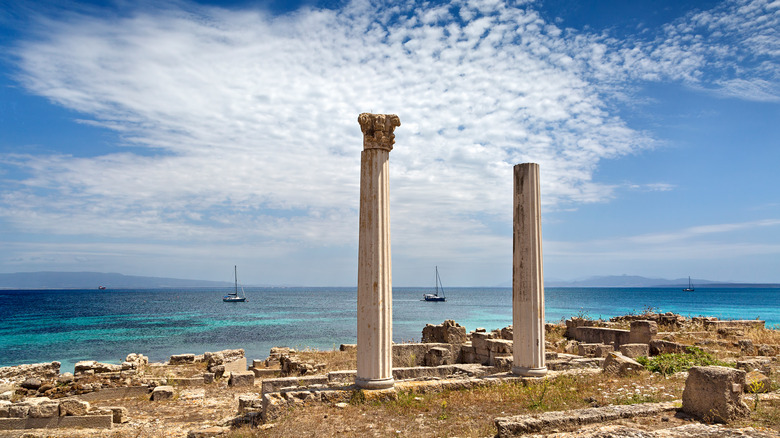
247 121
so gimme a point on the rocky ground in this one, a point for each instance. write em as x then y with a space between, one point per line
200 407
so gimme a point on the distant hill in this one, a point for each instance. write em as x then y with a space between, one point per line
91 280
637 281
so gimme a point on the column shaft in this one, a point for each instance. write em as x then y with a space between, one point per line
527 275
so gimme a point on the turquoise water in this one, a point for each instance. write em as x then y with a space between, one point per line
73 325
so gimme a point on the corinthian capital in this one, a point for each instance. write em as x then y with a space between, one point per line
378 130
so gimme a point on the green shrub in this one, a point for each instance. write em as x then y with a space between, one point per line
670 363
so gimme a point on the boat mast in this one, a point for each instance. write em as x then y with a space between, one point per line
235 276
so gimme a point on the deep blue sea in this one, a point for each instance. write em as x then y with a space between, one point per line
73 325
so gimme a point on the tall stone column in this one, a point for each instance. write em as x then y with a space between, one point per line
527 276
375 290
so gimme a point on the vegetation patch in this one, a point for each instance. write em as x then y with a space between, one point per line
671 363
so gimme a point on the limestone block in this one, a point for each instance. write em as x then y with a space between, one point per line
208 378
760 364
249 403
118 414
45 410
218 370
449 332
499 346
755 382
4 407
72 406
7 395
437 356
618 364
714 393
658 346
18 410
162 393
468 355
241 378
478 340
502 361
642 332
767 350
590 350
208 432
635 350
177 359
258 363
237 364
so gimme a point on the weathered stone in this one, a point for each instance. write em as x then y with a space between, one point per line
18 410
4 407
659 346
760 364
594 350
449 332
714 393
31 383
348 347
162 393
755 382
19 373
118 414
208 432
177 359
217 370
438 356
208 378
45 409
635 350
602 335
616 363
499 346
642 332
242 378
743 324
249 403
72 406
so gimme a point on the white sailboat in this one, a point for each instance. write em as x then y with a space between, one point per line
234 297
690 286
435 296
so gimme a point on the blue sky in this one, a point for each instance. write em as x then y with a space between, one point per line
180 138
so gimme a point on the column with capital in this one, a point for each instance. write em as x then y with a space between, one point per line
527 275
375 287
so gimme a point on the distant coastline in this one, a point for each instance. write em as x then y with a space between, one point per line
54 280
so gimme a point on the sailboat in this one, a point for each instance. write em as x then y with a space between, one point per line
435 296
690 286
234 297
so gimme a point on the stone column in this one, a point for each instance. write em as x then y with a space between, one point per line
527 276
375 291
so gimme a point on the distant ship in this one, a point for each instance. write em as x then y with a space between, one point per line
435 296
690 286
101 288
234 297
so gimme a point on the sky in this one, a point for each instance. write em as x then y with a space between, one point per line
180 138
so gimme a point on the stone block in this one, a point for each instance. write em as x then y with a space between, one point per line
249 403
45 410
31 383
18 411
449 332
642 332
618 364
590 350
658 346
635 350
208 378
208 432
242 378
756 383
438 356
162 393
499 346
118 414
237 365
714 393
602 335
74 407
760 364
478 340
178 359
4 407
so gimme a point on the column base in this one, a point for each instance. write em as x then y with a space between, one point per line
529 372
374 383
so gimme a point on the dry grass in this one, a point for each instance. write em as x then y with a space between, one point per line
470 412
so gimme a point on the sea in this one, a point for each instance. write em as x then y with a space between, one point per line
73 325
